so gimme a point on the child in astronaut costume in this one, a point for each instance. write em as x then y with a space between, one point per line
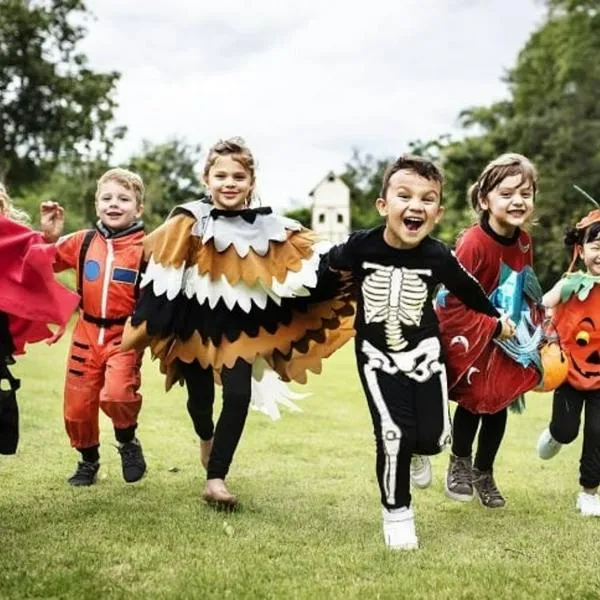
108 261
396 268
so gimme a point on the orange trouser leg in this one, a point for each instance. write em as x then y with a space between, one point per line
119 398
82 390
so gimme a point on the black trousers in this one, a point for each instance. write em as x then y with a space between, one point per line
237 383
9 411
409 417
491 433
567 406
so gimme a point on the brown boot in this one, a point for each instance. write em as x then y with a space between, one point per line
205 450
216 493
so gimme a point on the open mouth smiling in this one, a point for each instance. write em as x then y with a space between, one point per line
413 223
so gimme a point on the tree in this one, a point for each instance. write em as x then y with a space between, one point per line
363 175
170 174
54 107
167 169
552 116
303 215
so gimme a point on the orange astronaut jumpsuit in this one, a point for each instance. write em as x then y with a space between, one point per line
99 375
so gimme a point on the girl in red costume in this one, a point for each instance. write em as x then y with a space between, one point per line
30 299
486 376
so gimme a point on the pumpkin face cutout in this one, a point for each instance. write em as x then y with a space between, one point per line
577 321
585 349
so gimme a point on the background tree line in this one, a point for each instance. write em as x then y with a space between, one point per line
57 127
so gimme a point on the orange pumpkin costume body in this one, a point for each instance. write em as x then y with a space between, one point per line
99 375
577 322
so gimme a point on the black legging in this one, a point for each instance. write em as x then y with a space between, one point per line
236 401
490 437
567 406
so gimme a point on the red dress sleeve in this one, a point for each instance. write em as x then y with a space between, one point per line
29 293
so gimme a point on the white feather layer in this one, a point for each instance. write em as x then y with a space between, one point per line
269 392
171 281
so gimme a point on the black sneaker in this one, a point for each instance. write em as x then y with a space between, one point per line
132 460
459 479
485 488
85 474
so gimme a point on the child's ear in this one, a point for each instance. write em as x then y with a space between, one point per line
140 211
483 202
439 215
382 207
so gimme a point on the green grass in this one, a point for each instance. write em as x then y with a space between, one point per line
310 523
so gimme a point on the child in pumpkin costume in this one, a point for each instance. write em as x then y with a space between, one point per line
574 303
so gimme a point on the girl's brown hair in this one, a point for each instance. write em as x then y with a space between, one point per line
237 149
506 165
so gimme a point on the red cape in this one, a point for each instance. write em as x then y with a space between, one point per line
29 292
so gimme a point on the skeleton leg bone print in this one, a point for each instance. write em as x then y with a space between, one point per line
420 364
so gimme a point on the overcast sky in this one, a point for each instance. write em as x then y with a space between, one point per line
306 81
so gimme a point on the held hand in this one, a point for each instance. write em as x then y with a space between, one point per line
508 328
56 336
52 220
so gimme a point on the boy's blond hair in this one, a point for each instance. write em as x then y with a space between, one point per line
128 179
8 210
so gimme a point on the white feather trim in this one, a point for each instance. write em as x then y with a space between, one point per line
227 231
167 280
295 284
172 281
269 391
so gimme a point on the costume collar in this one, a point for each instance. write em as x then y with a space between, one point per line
108 233
248 214
501 239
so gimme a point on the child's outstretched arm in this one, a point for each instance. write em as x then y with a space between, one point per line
52 220
552 297
342 256
468 290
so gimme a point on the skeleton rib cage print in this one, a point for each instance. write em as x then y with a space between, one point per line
394 296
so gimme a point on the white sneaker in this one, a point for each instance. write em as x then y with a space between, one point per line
547 446
399 529
588 504
420 471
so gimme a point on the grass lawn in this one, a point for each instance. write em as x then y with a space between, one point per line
310 526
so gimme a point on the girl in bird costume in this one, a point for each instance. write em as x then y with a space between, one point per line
233 293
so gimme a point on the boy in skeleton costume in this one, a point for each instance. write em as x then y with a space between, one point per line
232 292
398 267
